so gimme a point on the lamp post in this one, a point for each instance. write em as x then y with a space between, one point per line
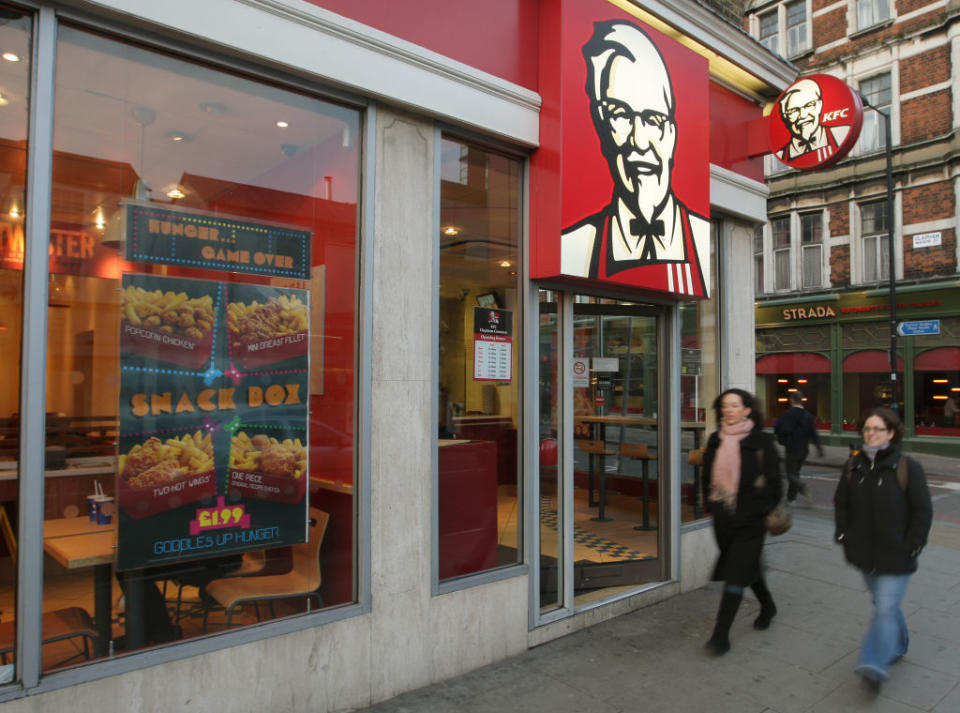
891 253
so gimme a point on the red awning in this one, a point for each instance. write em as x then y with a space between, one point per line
939 359
870 361
796 363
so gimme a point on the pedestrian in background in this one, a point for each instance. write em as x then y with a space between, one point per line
883 514
742 487
794 430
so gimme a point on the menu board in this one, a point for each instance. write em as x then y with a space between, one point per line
492 344
213 418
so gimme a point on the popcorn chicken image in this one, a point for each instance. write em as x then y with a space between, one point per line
168 312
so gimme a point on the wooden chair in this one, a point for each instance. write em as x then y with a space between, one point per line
58 625
303 580
597 450
640 452
695 458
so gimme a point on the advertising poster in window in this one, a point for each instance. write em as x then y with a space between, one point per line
213 418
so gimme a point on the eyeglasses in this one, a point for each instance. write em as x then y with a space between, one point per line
793 113
871 429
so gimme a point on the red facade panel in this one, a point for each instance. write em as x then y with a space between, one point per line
496 36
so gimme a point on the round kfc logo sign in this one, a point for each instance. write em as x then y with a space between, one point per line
815 122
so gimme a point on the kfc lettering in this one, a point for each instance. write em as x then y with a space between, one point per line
815 122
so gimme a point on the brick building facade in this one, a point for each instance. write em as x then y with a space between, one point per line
826 237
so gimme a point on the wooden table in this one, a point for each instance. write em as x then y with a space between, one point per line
76 543
600 426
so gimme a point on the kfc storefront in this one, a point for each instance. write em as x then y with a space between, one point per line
349 351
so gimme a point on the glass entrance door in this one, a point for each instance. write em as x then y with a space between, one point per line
600 448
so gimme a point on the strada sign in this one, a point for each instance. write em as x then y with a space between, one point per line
815 312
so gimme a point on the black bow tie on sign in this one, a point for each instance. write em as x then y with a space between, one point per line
805 145
651 233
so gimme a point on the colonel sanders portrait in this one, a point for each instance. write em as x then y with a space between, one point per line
801 109
644 226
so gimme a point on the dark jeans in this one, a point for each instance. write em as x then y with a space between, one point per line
792 465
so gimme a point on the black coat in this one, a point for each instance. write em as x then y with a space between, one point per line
881 526
740 533
795 429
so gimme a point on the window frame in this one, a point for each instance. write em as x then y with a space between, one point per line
782 252
815 244
873 5
880 235
29 678
872 121
758 259
778 42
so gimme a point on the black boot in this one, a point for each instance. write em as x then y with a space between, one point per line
719 642
768 609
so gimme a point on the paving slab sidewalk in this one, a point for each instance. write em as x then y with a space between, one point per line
653 660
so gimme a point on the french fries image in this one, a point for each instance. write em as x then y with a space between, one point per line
168 312
264 454
255 322
155 462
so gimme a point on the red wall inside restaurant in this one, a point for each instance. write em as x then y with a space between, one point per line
497 36
730 115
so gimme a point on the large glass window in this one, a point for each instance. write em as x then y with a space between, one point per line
875 241
200 371
479 406
780 229
877 92
936 381
811 240
14 82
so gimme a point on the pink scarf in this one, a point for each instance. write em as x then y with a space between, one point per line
725 474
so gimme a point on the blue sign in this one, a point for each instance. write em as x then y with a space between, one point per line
920 326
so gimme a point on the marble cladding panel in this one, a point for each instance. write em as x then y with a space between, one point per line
400 487
403 249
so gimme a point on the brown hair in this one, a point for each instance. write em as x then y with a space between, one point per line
890 419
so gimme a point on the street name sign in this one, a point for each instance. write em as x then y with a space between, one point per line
918 327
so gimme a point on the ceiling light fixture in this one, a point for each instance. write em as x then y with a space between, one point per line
4 99
451 230
506 263
175 193
282 124
10 56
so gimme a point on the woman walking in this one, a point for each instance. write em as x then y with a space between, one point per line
743 486
883 515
